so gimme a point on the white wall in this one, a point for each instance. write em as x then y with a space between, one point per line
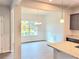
54 29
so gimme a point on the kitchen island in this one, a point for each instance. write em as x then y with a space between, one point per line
65 50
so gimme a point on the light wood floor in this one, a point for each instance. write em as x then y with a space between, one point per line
36 50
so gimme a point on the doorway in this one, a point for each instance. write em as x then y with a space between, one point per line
38 27
33 35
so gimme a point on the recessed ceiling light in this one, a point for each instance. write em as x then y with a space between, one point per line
50 0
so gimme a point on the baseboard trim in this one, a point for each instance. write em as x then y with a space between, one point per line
34 41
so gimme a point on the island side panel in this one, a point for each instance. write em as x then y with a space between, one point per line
60 55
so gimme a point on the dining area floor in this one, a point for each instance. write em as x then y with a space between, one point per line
36 50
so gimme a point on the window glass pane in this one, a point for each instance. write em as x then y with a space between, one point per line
33 32
28 28
24 28
32 25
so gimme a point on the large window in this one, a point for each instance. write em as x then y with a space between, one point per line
29 28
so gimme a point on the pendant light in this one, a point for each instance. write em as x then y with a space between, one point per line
62 18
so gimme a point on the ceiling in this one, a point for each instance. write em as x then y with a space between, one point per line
67 3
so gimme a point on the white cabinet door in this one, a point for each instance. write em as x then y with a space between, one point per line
0 35
5 35
4 30
0 45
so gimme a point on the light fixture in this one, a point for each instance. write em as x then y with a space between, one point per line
50 0
62 17
62 20
38 23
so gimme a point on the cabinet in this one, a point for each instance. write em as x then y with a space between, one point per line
61 55
4 31
0 36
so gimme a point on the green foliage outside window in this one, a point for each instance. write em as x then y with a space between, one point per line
28 28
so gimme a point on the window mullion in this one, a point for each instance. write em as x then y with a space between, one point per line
29 28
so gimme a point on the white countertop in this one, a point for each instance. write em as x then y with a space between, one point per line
67 47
